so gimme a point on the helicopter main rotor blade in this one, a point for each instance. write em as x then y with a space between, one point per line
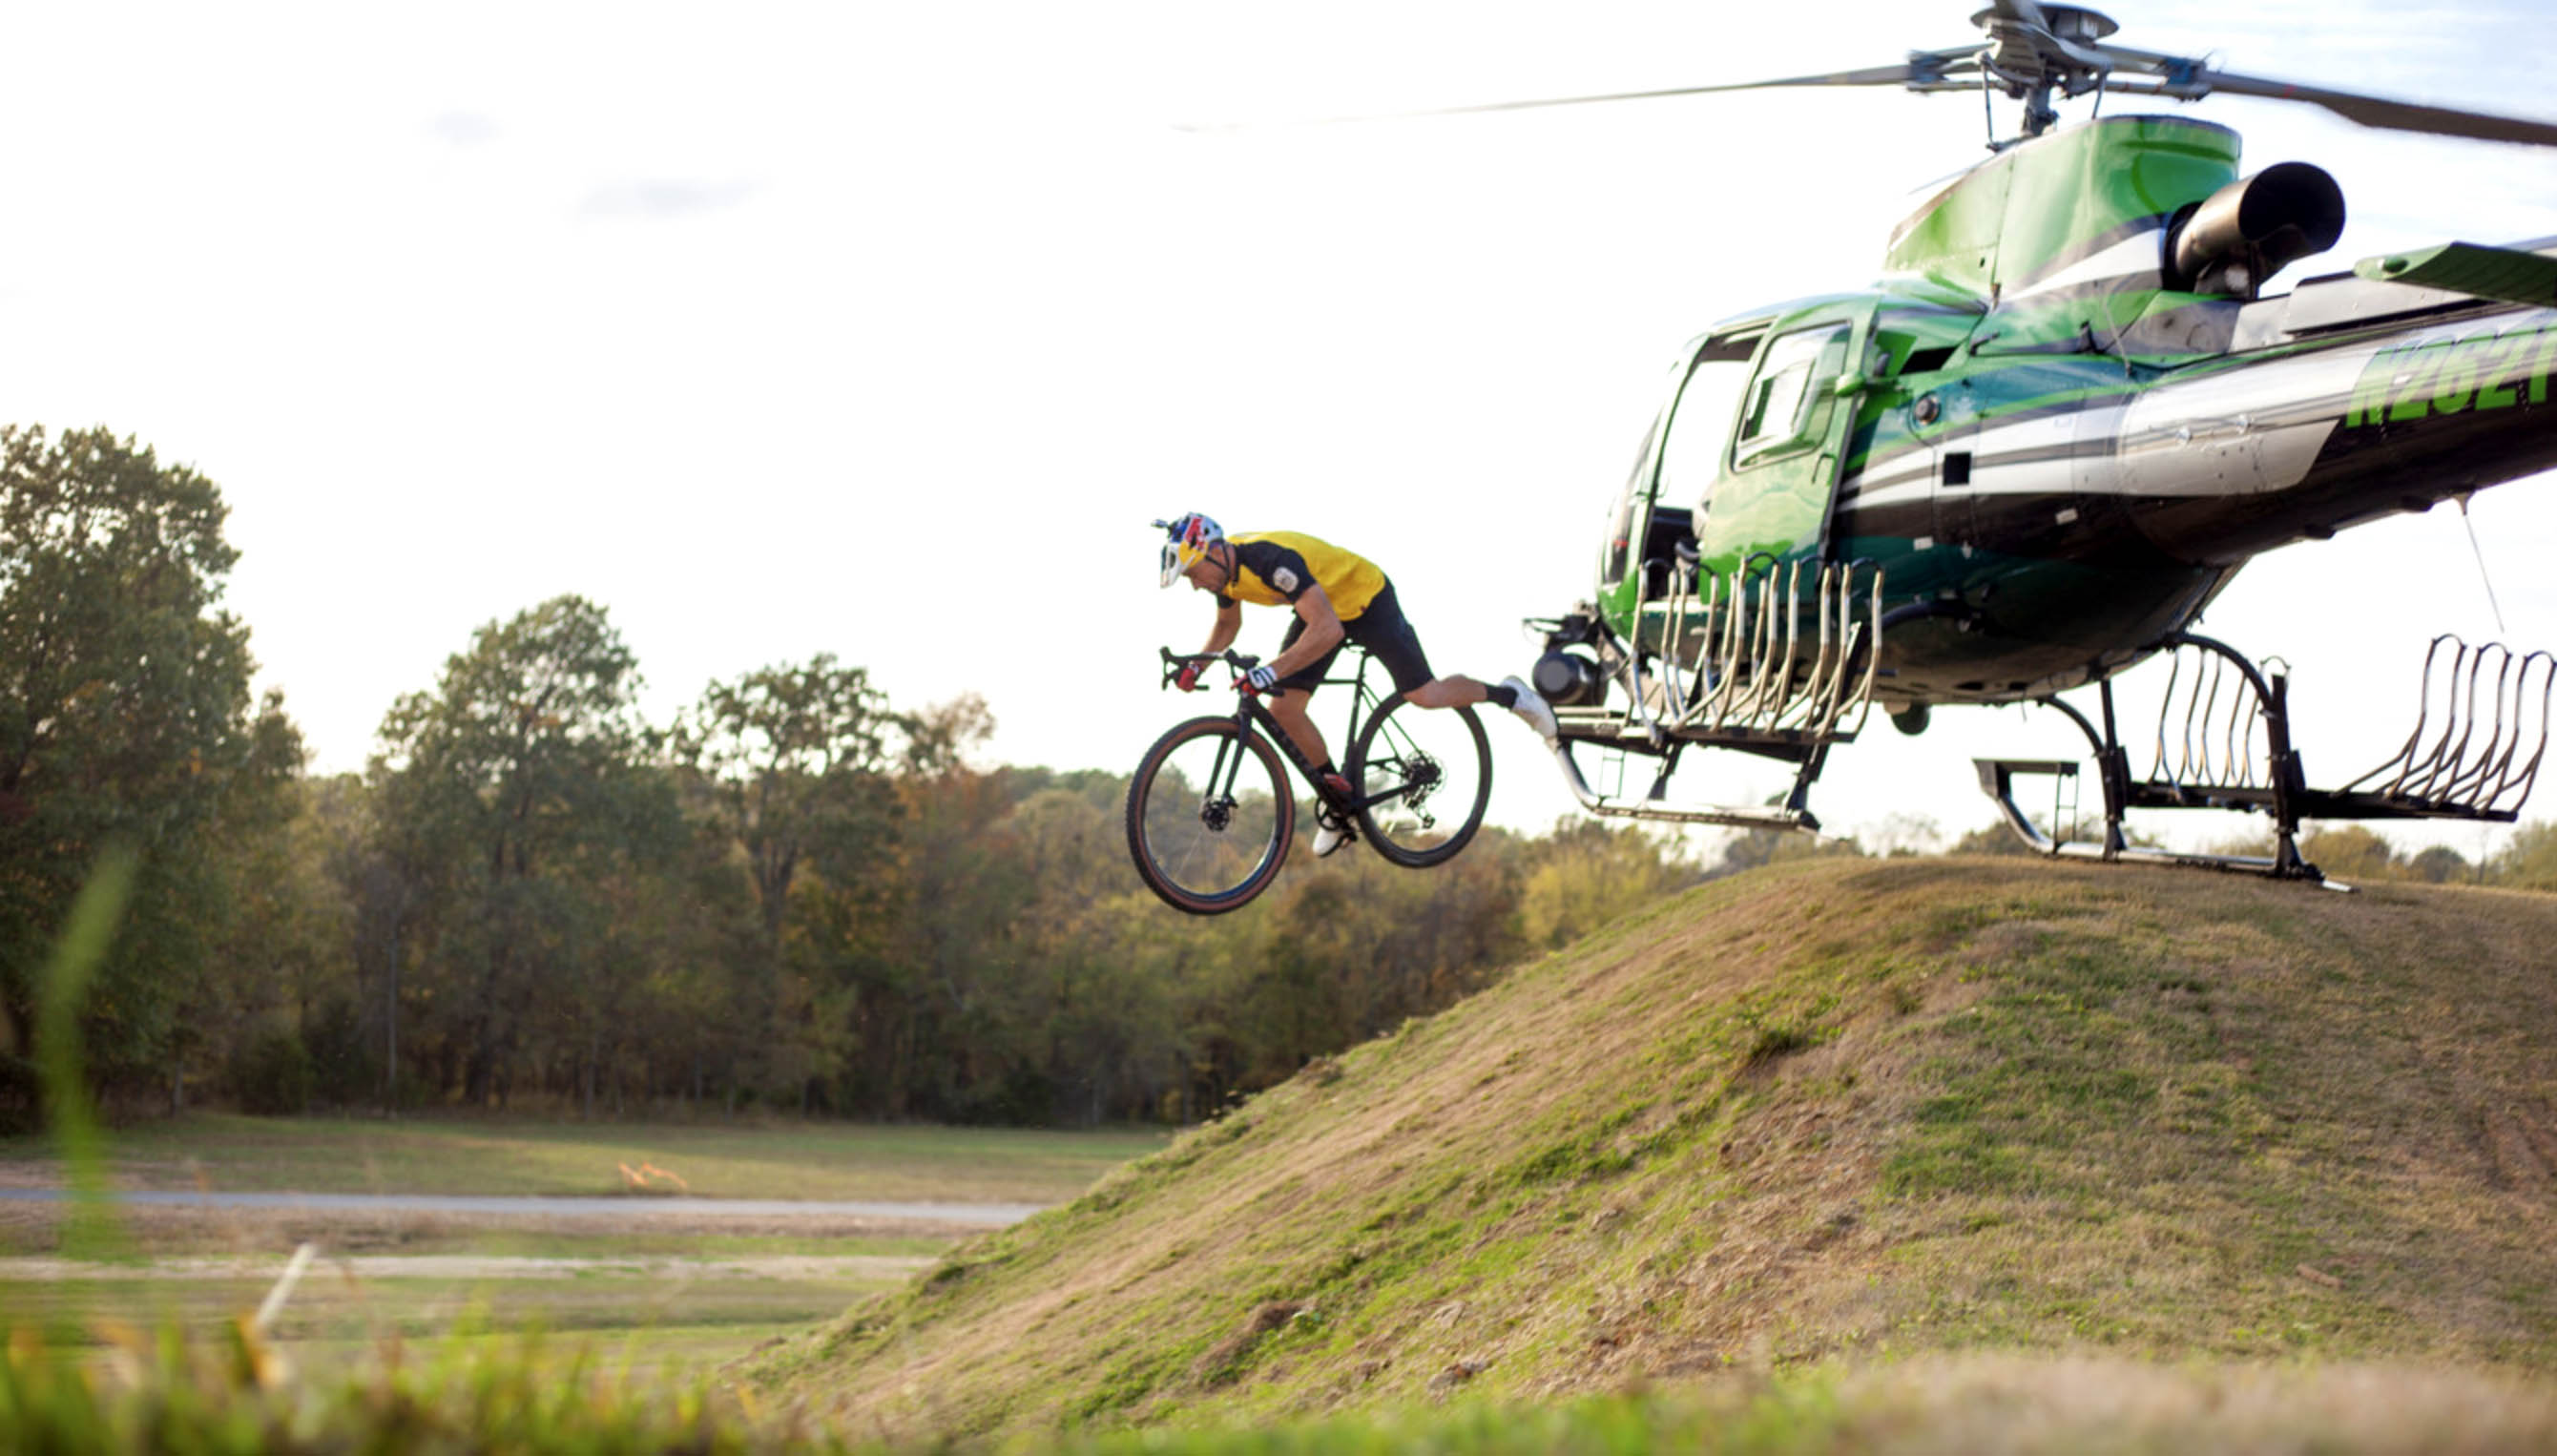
2032 51
2381 111
1918 68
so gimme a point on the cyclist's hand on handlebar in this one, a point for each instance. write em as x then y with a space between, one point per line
1261 679
1187 679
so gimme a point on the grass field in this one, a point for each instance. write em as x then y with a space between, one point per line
715 1160
654 1319
653 1294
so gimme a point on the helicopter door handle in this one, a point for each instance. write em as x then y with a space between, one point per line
1846 386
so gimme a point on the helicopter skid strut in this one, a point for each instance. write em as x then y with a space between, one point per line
2224 741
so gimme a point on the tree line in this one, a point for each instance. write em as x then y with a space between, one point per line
795 894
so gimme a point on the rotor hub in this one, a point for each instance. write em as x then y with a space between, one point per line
2068 22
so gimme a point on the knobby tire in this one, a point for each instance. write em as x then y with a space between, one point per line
1381 742
1167 839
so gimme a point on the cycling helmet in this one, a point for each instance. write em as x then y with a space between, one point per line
1189 536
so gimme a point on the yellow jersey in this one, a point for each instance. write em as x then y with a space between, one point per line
1273 569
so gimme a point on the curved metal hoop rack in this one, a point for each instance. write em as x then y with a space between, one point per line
1776 658
2224 741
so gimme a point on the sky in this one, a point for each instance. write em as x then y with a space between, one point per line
884 331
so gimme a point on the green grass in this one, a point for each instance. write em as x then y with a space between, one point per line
515 1393
811 1160
1835 1112
675 1320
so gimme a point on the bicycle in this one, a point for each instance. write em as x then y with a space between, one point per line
1210 816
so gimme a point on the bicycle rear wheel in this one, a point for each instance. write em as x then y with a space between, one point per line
1209 815
1433 768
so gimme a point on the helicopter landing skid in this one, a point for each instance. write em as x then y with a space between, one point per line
2466 758
1792 813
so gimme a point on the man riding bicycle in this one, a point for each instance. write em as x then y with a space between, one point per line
1337 597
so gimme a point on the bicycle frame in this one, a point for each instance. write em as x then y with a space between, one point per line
1251 713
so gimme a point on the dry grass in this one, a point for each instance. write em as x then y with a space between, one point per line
1992 1406
1839 1109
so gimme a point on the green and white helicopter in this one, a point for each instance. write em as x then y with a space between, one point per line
2029 457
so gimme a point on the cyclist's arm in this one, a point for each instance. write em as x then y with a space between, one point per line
1323 631
1229 624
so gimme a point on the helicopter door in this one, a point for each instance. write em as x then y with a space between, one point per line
1653 518
1796 420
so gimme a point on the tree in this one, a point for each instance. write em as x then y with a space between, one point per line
2350 851
516 790
1588 872
125 716
1753 847
2530 857
796 758
1991 839
2439 864
796 761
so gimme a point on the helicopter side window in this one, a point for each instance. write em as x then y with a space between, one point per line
1783 407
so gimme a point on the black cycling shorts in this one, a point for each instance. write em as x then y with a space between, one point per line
1382 631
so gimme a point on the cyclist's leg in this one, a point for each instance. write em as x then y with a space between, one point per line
1287 705
1290 700
1454 691
1423 778
1387 636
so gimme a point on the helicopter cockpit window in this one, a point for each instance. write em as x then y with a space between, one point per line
1785 405
1616 546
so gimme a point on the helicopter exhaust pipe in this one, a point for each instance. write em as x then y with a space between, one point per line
2249 230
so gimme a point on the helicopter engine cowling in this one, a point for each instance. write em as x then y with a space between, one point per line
2249 230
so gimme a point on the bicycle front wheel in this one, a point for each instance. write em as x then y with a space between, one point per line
1428 772
1209 815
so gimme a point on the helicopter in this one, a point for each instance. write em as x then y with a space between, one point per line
2025 460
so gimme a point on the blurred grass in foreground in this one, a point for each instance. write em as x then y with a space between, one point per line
238 1396
91 1232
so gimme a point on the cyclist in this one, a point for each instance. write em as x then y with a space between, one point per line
1337 597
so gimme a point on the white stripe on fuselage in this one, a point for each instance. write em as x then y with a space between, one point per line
2141 253
2239 431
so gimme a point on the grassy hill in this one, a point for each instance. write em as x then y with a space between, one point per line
1846 1111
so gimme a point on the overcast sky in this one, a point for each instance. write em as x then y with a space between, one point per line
883 330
